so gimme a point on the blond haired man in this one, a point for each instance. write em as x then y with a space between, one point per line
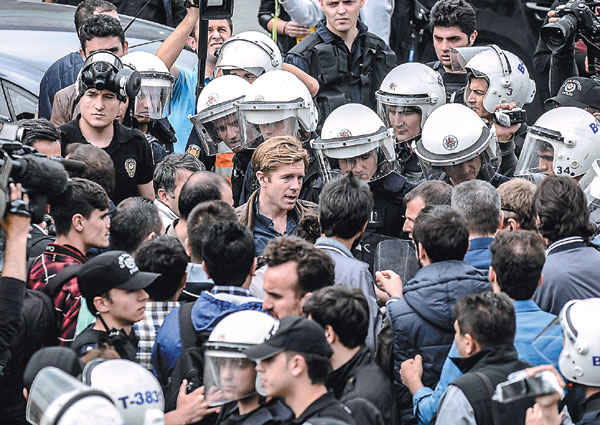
274 209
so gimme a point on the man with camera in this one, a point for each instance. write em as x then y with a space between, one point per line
103 86
498 86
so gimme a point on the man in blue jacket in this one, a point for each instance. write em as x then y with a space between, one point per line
229 260
63 72
517 262
421 311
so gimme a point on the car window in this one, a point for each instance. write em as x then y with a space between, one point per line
4 111
24 104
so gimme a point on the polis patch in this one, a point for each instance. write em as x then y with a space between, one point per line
130 167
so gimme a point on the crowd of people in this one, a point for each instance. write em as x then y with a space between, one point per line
324 235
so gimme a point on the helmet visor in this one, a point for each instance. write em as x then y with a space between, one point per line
266 127
154 99
219 135
405 120
228 376
460 56
590 183
548 344
368 166
537 157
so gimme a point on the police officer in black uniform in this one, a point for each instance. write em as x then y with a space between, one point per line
344 74
354 139
101 95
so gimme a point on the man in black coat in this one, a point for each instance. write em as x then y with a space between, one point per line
356 380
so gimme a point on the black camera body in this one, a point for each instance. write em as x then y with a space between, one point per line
42 178
211 9
575 18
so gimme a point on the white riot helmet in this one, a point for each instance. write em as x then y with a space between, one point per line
217 122
228 374
277 104
580 357
57 398
251 51
507 76
407 89
453 135
355 139
154 98
564 141
133 388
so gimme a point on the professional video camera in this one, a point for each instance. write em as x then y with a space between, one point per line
42 178
576 19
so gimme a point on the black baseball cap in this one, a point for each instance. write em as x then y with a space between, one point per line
579 92
61 357
292 334
110 270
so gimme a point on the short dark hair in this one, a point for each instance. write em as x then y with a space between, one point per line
202 216
99 166
518 259
165 255
315 268
228 253
196 191
488 317
443 232
165 173
100 26
133 220
432 192
454 13
87 8
229 22
561 206
39 129
479 203
345 206
516 198
344 309
317 366
85 197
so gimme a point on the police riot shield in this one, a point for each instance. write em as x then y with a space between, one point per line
398 255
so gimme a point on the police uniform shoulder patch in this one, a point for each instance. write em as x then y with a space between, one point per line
450 142
193 150
130 167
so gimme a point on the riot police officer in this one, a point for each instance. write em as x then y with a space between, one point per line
279 104
218 129
457 146
405 99
355 139
497 79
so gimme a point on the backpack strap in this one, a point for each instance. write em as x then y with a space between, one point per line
490 389
59 279
187 333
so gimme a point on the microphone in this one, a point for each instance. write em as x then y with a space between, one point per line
72 165
42 175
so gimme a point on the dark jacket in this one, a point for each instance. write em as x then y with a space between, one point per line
327 407
362 386
591 407
344 75
273 412
423 320
59 75
482 372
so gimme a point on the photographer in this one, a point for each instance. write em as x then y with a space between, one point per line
12 294
560 55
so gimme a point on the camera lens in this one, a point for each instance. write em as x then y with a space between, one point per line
557 33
